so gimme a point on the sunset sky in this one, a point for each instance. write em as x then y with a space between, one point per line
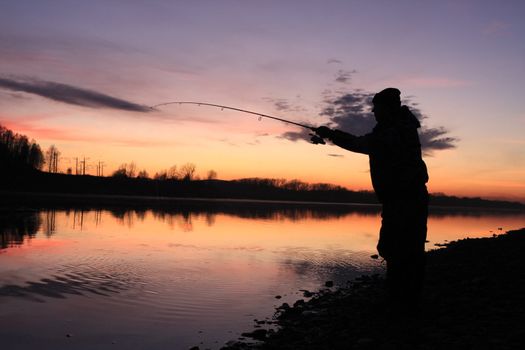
80 75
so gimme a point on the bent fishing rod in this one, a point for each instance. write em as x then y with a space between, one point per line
315 138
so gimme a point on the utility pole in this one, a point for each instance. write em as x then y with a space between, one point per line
100 168
83 165
76 165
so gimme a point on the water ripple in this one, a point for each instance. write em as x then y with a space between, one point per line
73 280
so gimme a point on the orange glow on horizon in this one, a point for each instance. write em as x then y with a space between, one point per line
250 149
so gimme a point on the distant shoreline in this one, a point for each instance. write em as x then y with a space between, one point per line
132 201
163 199
14 198
132 190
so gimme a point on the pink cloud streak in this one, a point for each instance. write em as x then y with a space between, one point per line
68 134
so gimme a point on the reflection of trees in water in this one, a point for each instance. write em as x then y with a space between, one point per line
297 213
184 218
79 218
127 217
15 227
98 217
49 222
210 219
185 214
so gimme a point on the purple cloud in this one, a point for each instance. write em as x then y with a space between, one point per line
352 112
344 76
70 94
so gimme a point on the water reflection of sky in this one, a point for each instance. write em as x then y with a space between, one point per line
160 277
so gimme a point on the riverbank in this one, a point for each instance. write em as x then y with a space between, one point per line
53 184
473 298
12 200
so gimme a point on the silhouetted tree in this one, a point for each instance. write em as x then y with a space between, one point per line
132 169
187 171
172 173
36 157
161 175
17 152
125 170
211 175
143 174
120 172
296 185
52 155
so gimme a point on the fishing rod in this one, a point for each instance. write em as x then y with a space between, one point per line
315 139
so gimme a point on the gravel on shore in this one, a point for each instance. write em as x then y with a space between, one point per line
474 298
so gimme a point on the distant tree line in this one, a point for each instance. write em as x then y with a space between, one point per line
18 153
289 185
186 172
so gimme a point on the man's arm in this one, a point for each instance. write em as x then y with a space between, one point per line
359 144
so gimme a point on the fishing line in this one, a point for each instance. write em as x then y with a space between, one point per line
222 107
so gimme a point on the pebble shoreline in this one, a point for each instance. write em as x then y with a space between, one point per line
474 298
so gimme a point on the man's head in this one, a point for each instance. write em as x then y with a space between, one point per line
386 103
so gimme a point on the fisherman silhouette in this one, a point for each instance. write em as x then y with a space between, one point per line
399 177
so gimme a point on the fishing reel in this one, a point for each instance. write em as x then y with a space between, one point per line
317 140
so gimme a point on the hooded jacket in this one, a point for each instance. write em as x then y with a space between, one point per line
397 168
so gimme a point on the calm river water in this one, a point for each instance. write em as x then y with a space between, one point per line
149 279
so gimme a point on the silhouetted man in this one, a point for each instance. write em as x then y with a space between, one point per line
399 177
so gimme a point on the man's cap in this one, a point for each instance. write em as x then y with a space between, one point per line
388 96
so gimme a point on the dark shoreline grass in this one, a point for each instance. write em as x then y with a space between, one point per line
474 298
